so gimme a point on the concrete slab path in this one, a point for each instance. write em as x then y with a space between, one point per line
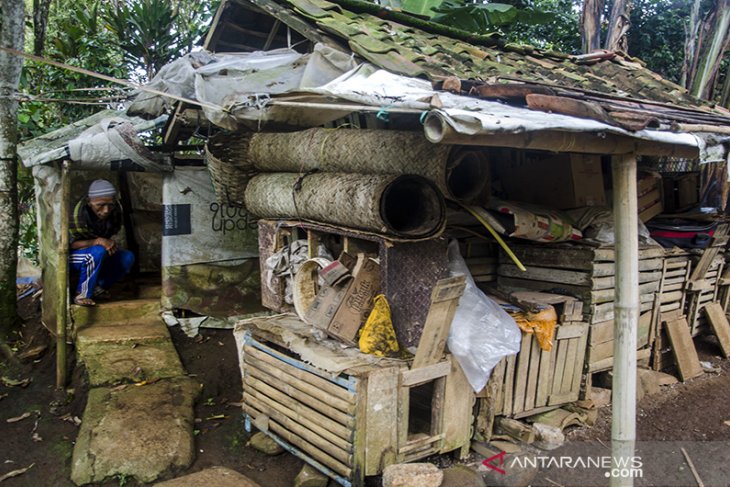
138 421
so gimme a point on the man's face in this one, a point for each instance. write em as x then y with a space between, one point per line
102 207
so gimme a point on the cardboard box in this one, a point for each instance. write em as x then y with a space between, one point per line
341 309
357 302
560 181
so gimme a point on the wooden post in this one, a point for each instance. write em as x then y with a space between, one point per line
625 214
62 279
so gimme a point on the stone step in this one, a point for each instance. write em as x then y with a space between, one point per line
140 432
212 477
149 291
134 332
116 312
114 362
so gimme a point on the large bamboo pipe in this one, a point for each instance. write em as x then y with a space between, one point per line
625 214
460 173
406 206
438 130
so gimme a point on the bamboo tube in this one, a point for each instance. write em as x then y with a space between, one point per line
310 449
407 206
316 417
438 130
460 174
305 387
314 403
62 279
308 377
254 397
623 422
345 456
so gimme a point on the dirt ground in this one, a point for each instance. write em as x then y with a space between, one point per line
44 439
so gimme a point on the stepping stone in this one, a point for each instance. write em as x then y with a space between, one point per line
211 477
122 333
139 432
113 362
116 312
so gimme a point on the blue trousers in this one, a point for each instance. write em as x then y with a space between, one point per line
95 267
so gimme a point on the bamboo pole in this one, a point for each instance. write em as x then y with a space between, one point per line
625 214
438 130
62 279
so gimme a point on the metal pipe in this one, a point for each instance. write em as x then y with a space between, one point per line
62 279
625 214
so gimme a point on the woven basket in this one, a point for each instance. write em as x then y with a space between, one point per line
229 167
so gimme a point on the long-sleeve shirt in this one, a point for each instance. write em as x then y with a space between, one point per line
85 225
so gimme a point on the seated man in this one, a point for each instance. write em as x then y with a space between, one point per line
94 256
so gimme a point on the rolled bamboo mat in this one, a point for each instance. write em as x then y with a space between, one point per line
405 206
460 174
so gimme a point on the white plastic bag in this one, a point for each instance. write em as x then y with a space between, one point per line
482 332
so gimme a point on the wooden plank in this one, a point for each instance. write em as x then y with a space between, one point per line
720 326
570 331
381 419
425 374
316 381
342 454
509 385
559 369
458 406
547 274
516 429
305 445
523 362
444 300
570 364
543 378
490 403
319 405
683 348
579 361
286 417
718 241
606 364
258 387
533 372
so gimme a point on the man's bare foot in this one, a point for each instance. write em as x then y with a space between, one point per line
83 301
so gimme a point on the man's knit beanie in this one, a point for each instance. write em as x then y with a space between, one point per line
101 188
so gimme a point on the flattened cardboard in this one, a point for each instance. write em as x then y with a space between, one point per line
352 311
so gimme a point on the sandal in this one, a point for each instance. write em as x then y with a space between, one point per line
84 301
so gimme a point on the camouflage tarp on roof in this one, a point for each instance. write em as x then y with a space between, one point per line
411 51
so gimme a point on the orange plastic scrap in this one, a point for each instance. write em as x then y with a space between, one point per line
542 324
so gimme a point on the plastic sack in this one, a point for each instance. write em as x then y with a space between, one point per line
482 333
377 336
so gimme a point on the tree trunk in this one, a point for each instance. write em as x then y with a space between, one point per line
690 44
590 25
40 22
11 35
715 31
618 26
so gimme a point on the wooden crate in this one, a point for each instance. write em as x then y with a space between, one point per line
355 422
535 380
588 273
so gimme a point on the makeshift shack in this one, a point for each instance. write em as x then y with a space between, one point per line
375 175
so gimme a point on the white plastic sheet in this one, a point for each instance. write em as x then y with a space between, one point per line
482 333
